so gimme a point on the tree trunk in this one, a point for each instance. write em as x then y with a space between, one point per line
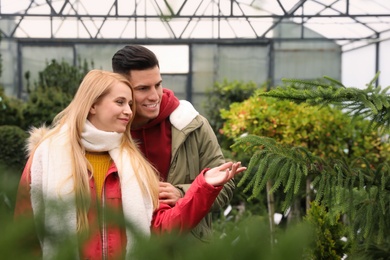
271 210
308 192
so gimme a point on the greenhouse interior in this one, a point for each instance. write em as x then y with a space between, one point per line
209 40
200 43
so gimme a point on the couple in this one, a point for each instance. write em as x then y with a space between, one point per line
92 159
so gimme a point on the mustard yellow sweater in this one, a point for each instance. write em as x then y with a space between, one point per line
100 163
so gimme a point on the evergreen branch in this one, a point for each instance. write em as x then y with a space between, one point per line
300 171
370 202
316 180
287 201
333 187
305 84
305 155
334 81
361 180
359 191
249 185
382 230
340 178
321 188
291 177
259 173
384 171
327 191
372 82
372 102
270 172
272 161
253 141
346 186
252 164
377 101
283 176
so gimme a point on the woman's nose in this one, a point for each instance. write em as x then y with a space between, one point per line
128 110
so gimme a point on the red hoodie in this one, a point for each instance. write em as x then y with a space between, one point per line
154 138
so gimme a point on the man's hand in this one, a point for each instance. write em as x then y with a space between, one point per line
220 175
168 193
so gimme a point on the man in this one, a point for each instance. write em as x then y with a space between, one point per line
173 136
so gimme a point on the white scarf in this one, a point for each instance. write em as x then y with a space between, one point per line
51 180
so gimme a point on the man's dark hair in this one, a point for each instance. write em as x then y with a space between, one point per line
133 57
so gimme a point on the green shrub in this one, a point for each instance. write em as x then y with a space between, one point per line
43 105
325 131
62 75
9 180
10 110
12 143
55 88
221 96
329 234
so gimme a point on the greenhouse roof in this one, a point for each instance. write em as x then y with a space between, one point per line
349 23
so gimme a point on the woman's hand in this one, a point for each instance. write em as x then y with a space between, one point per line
223 173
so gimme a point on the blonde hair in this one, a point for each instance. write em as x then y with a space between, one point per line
95 85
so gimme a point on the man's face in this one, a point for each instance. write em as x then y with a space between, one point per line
147 85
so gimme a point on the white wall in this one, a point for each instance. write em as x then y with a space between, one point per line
358 66
384 64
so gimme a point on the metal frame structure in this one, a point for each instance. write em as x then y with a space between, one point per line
184 20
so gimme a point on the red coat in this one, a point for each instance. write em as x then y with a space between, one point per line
186 214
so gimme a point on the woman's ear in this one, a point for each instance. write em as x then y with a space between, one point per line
92 110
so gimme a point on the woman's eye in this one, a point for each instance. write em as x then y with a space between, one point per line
120 102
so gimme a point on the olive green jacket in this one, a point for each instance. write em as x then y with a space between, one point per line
194 148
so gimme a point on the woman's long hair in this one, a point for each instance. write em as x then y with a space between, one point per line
95 85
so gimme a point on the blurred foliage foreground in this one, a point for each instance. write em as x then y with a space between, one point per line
249 239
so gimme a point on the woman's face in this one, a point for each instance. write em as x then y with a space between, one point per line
113 111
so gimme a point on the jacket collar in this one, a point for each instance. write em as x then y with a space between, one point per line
183 115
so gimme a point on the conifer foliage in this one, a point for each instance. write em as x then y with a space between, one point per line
373 102
285 166
356 189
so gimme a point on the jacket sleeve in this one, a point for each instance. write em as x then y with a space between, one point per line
189 210
23 211
210 156
23 206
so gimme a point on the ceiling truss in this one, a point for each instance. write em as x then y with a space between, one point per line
156 20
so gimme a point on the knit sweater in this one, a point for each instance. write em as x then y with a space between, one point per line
100 163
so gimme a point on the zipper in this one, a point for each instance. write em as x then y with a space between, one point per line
104 231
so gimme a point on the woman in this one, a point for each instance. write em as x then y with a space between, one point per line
87 163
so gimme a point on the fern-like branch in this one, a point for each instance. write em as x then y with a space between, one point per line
272 161
335 182
371 102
